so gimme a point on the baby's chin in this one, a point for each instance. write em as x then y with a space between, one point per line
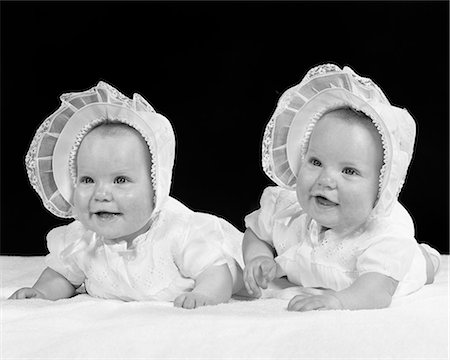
115 228
343 229
110 233
129 235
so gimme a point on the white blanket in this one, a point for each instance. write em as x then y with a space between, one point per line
85 328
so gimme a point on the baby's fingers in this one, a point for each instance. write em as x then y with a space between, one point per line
185 301
300 303
268 272
250 283
190 301
24 293
318 302
179 300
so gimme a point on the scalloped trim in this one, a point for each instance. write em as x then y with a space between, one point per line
266 158
321 70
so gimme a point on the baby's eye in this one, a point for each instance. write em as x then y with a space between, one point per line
349 171
86 180
315 162
121 180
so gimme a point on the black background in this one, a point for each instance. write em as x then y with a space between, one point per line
216 70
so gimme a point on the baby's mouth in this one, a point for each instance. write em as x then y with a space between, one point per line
106 215
321 200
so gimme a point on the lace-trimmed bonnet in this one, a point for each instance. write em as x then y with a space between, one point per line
324 88
50 161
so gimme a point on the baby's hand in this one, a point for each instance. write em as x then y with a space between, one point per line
192 300
27 293
258 273
316 302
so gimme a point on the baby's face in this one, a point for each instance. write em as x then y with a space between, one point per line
114 193
338 180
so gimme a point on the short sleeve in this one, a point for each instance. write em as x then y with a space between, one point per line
390 256
201 247
261 221
61 242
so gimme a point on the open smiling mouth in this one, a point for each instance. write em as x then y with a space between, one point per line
105 215
323 201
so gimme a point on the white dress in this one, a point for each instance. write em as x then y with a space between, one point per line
387 246
161 263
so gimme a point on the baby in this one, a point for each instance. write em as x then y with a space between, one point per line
339 152
106 161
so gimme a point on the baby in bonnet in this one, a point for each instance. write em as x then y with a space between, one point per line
106 161
339 153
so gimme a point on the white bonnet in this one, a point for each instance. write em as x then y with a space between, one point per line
324 88
50 158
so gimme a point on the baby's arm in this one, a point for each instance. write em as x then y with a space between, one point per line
213 286
51 286
260 267
369 291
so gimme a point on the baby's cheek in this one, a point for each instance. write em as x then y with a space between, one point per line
138 203
79 198
302 189
357 209
81 202
301 197
351 200
76 199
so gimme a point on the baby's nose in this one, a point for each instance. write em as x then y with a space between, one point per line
326 179
102 193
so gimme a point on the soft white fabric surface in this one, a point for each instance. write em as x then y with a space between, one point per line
83 327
